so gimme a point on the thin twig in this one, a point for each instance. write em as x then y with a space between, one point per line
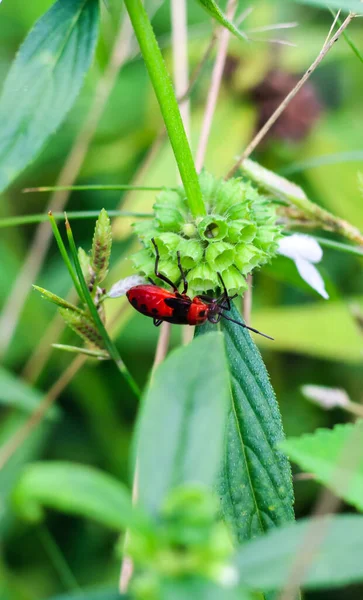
272 120
214 88
180 58
58 200
37 416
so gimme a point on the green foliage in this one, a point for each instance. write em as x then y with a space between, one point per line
181 427
47 75
307 330
168 103
335 458
255 482
73 489
91 595
215 12
267 562
344 5
238 234
18 394
200 589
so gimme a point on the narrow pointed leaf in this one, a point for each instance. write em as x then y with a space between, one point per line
266 563
332 455
73 489
182 423
47 295
44 81
216 13
255 483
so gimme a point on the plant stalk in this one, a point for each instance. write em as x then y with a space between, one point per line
168 104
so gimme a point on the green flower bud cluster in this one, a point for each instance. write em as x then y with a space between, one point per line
238 234
188 540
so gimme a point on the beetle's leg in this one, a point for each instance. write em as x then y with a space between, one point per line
206 298
184 279
225 293
157 272
151 281
157 322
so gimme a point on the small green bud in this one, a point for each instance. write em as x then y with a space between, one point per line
167 244
203 278
189 230
229 193
143 262
241 230
101 248
238 211
220 255
213 228
234 281
169 219
170 269
191 253
83 326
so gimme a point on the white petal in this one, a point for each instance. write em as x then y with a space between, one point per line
325 396
311 275
124 285
300 245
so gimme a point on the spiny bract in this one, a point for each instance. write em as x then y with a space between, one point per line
238 234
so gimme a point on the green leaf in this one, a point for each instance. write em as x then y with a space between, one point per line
182 422
18 394
307 329
184 588
344 5
323 454
215 12
73 489
44 81
255 483
267 562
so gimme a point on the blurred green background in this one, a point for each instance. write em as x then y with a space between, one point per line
318 144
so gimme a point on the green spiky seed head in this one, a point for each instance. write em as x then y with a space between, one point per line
238 234
101 249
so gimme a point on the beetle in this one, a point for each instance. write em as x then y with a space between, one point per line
177 307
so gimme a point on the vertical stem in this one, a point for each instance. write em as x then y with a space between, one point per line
168 104
180 58
214 88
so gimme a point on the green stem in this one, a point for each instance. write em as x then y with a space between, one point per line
96 187
64 253
79 214
109 345
59 562
168 104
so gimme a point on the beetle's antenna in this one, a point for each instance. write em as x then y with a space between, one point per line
246 327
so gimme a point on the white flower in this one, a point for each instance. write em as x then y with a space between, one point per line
305 252
124 285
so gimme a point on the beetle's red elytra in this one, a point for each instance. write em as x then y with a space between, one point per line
177 307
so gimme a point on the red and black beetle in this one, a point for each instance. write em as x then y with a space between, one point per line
175 307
